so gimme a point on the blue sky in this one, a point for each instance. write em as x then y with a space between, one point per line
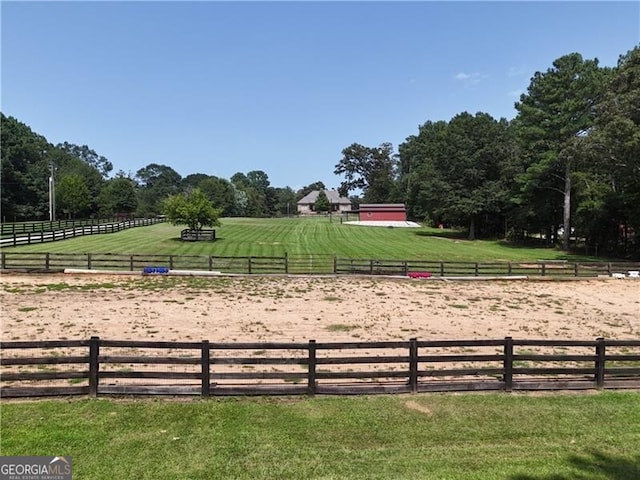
283 87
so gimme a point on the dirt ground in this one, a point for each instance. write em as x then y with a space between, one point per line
231 309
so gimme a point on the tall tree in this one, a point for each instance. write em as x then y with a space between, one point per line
89 156
220 192
286 201
371 169
304 191
66 164
156 183
557 108
118 196
193 180
416 157
24 171
457 175
72 195
259 195
611 191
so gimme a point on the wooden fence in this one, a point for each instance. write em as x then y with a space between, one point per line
110 367
8 229
308 264
42 235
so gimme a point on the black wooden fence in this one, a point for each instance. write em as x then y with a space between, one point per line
308 264
9 229
29 234
112 367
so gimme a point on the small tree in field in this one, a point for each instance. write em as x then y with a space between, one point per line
192 209
322 203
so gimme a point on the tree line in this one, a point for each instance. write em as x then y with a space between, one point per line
85 188
566 167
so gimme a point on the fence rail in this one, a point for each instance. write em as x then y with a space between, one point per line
111 367
308 264
30 234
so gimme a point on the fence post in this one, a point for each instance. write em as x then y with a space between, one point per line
94 354
206 374
210 262
311 376
286 263
477 269
442 269
46 261
575 269
249 264
609 268
600 354
170 262
544 269
15 239
508 364
131 263
413 364
405 267
510 271
335 263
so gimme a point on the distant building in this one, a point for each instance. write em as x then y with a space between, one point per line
382 212
306 205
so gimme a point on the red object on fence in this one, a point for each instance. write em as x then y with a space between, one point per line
419 275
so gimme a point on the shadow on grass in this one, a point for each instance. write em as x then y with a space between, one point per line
592 466
180 241
449 234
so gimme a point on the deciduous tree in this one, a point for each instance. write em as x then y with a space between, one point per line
371 169
192 209
118 196
72 195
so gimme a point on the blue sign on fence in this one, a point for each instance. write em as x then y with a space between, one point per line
155 270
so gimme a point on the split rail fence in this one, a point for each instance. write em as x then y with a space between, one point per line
97 367
307 264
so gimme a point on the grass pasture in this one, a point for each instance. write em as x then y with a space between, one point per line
472 436
242 237
436 436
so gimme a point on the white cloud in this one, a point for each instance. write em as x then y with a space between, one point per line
470 79
517 71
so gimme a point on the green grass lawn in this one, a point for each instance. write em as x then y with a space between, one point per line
242 237
437 436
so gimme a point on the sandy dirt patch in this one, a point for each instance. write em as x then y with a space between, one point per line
285 309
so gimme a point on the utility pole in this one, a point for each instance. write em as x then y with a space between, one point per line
52 196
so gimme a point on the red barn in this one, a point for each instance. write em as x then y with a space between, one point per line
382 212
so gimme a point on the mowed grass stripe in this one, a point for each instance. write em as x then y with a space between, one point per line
471 436
299 236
